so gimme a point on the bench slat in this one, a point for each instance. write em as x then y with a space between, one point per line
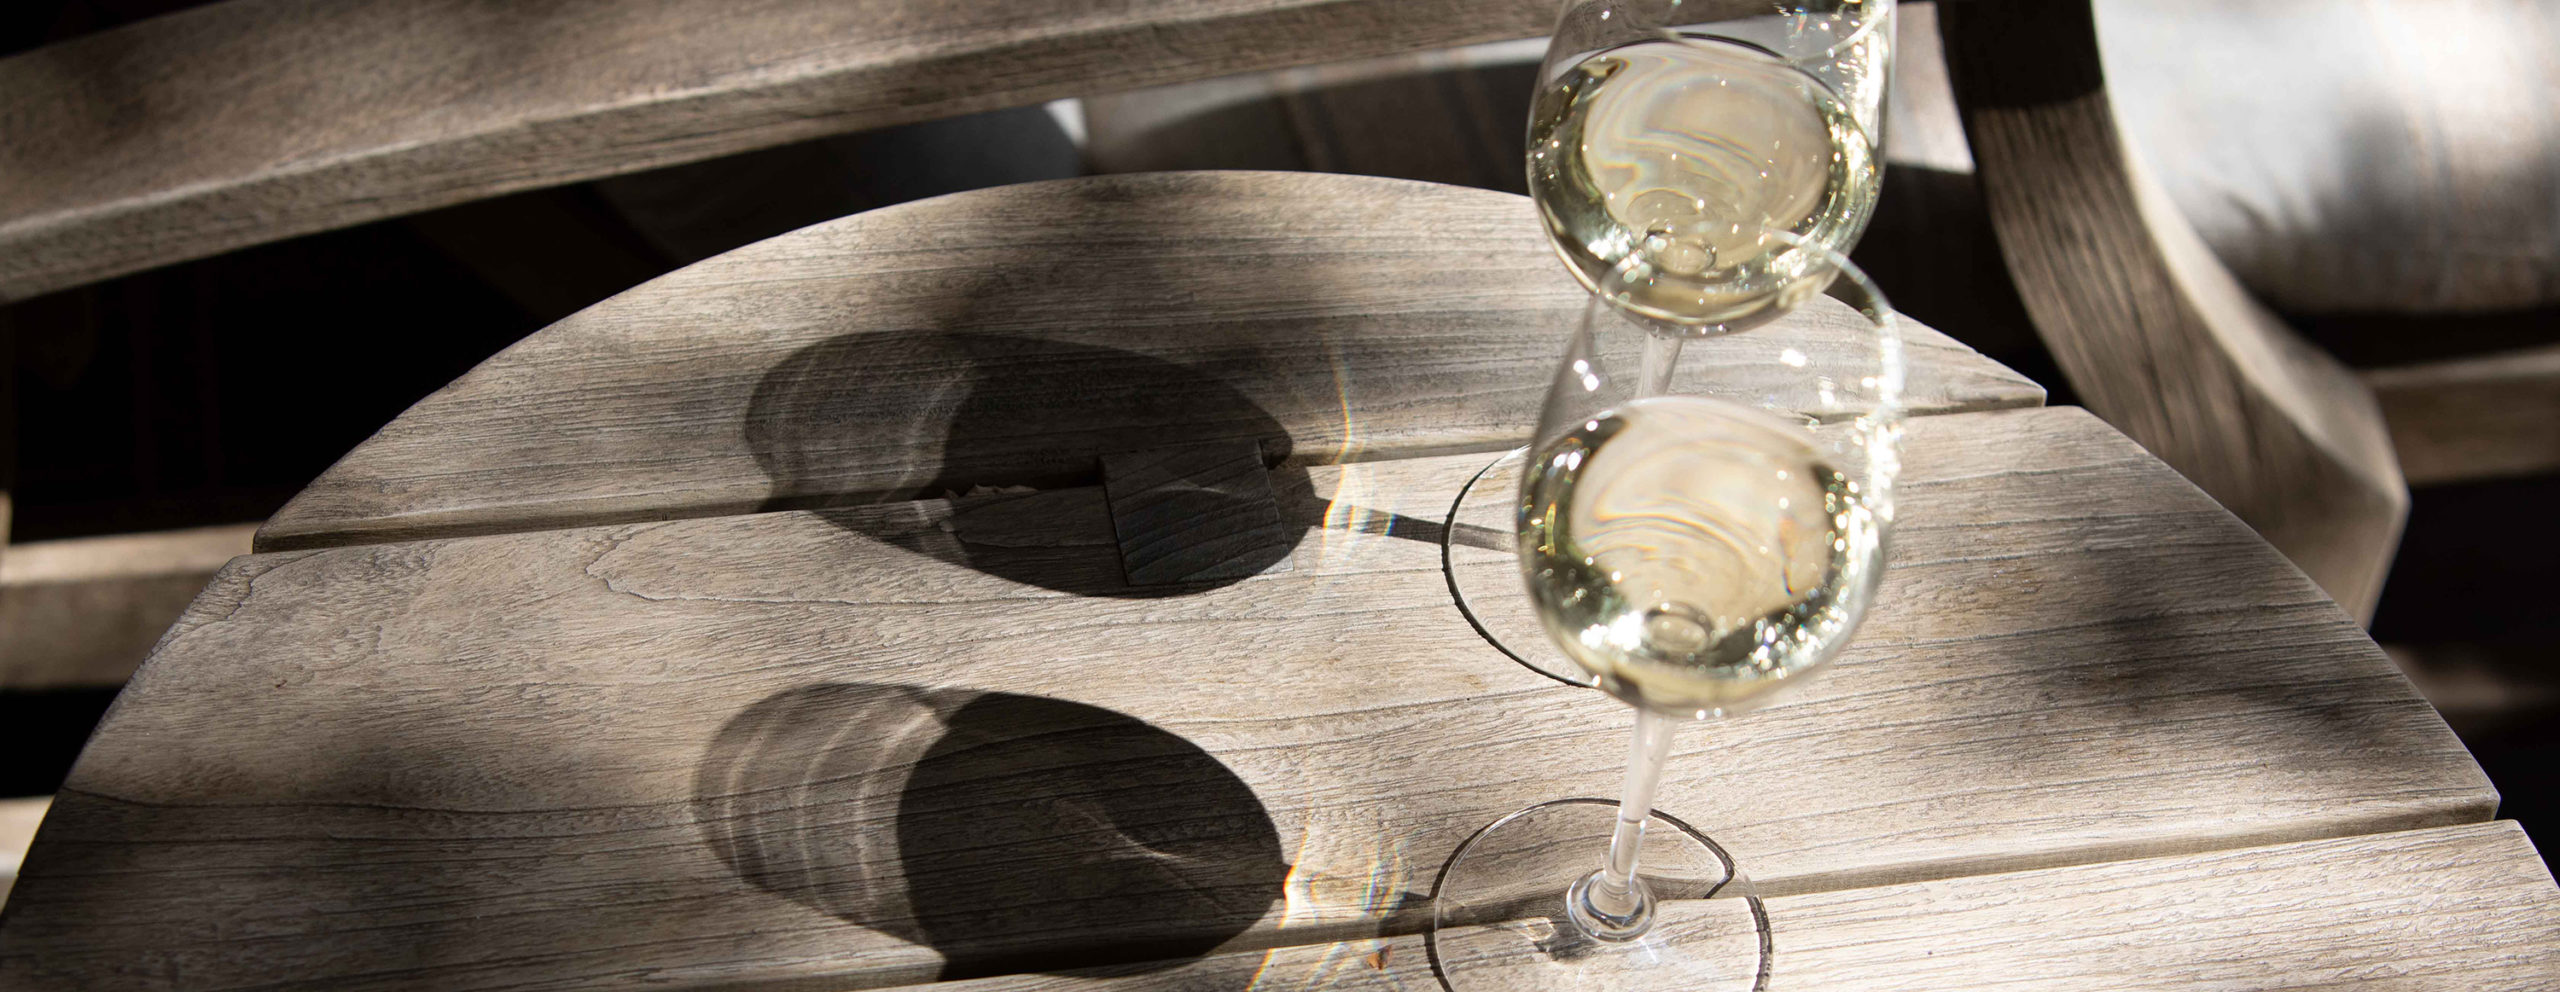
2455 908
1013 335
245 122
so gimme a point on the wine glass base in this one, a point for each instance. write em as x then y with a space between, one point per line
1483 568
1500 919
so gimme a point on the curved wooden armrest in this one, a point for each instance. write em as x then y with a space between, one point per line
2153 332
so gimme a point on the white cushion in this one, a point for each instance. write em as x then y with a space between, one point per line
2354 155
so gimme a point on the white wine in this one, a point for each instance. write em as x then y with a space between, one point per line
1694 554
1664 161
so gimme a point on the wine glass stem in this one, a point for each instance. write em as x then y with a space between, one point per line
1616 905
1661 354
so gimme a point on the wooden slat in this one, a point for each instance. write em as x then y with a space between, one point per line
690 752
85 611
2154 333
1453 116
2456 909
1009 336
248 121
1448 116
2485 417
8 425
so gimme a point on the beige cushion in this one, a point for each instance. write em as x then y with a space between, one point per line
2354 155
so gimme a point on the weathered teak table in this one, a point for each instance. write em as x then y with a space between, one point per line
653 653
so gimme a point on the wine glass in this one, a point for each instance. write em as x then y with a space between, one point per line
1695 545
1685 136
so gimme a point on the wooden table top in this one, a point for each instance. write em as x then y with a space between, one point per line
654 652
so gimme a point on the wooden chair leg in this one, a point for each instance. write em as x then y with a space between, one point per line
8 425
2154 333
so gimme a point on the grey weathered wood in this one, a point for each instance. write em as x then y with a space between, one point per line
8 425
2154 333
86 611
2457 909
248 121
516 760
1194 513
2488 416
1008 336
1450 116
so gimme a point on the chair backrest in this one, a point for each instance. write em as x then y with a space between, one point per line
249 121
2152 330
254 120
2354 156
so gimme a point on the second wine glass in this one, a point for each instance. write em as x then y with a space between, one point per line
1696 546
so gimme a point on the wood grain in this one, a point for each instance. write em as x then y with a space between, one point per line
1008 336
8 425
2457 909
2485 417
2155 334
1196 513
243 122
691 752
86 611
1448 116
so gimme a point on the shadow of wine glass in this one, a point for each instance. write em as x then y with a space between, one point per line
1010 833
872 417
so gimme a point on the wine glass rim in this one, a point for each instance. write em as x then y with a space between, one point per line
1704 31
1691 36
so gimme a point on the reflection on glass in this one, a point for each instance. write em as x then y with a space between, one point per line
1672 154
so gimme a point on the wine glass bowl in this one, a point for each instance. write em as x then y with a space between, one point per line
1656 166
1811 369
1696 547
1666 135
1847 44
1700 523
